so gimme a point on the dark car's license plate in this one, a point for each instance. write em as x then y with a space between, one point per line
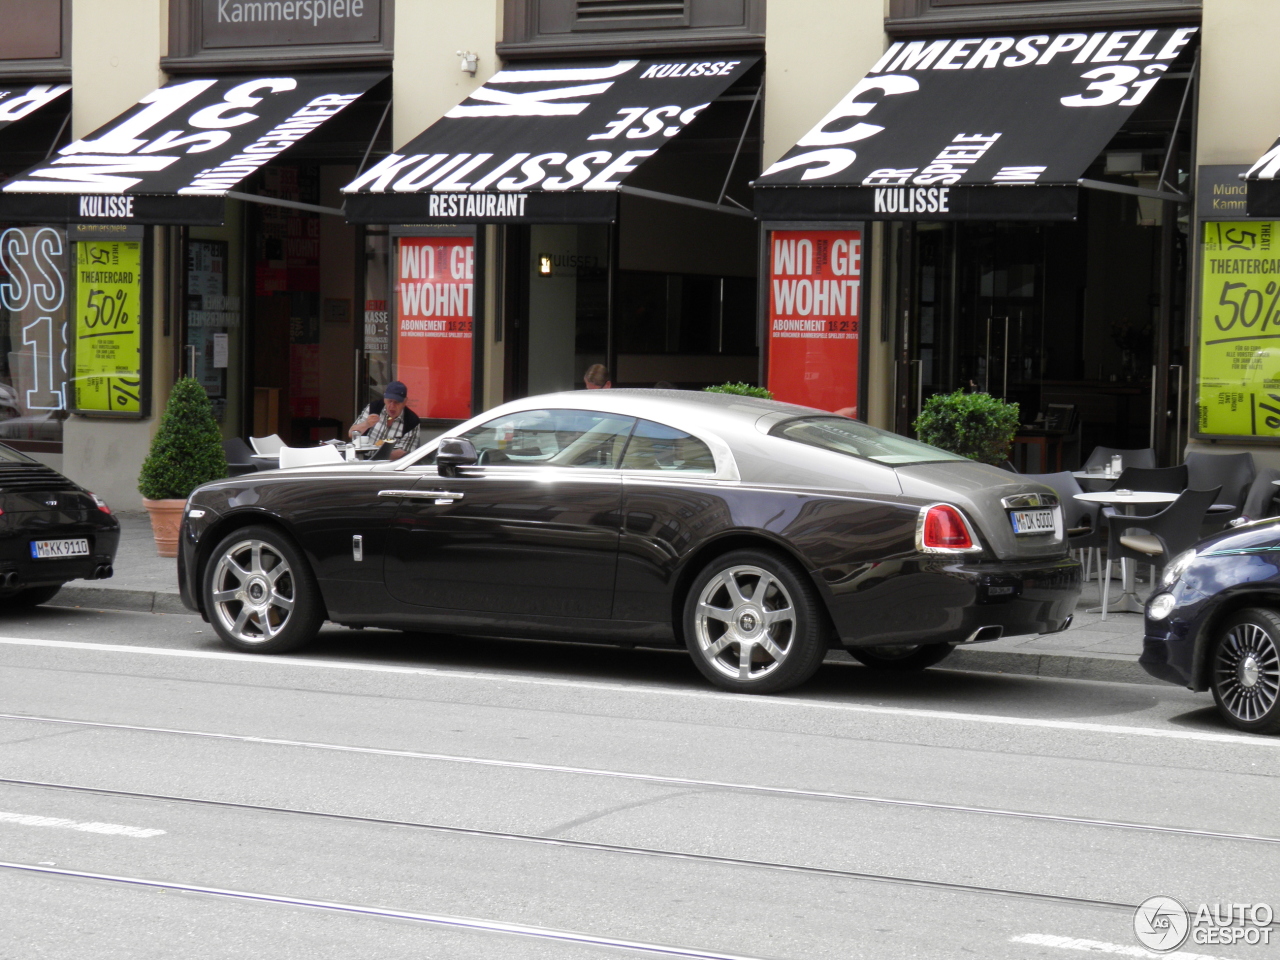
1032 521
56 549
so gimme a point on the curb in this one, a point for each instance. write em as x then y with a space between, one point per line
105 598
1052 665
1047 665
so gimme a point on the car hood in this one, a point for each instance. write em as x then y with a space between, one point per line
978 488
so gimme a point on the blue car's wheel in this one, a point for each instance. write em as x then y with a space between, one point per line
1246 670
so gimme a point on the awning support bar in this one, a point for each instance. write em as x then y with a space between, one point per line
374 139
290 204
1173 137
1133 191
755 102
684 201
58 136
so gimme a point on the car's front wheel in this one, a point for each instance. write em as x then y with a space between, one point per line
754 624
259 592
906 659
1246 670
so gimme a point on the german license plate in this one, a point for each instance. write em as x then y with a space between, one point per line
57 549
1032 521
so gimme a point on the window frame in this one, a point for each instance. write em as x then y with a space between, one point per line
925 17
522 36
187 53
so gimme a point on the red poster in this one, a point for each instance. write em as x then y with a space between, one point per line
815 307
434 315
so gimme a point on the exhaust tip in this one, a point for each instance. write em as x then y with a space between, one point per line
11 579
106 571
983 634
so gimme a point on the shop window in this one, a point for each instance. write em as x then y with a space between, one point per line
33 330
237 34
932 16
31 44
547 26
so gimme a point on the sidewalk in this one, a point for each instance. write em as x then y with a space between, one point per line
1092 649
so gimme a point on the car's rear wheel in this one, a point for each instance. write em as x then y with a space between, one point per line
754 624
30 597
1246 670
259 592
905 658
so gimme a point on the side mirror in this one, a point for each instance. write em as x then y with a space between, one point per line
454 453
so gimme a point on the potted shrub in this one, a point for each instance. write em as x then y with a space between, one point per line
185 452
741 389
974 425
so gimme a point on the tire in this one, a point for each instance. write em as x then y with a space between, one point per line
1245 670
754 623
259 592
902 659
30 597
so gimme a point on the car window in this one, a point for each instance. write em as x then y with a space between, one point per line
855 439
657 447
554 438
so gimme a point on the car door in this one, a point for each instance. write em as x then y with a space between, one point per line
531 530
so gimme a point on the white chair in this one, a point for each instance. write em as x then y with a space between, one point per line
308 456
267 446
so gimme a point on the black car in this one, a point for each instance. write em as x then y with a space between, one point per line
1214 624
757 534
51 531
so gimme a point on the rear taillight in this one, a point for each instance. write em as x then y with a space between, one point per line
100 503
944 529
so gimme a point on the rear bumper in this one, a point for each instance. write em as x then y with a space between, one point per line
951 601
16 559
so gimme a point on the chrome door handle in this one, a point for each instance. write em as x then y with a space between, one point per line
422 494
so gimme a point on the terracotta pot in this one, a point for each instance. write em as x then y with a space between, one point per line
166 519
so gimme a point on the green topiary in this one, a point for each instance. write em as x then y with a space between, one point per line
742 390
187 448
974 425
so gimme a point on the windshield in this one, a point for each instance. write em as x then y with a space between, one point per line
856 439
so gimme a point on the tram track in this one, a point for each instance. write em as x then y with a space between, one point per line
621 849
691 782
440 920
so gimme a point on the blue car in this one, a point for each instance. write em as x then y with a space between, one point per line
1214 624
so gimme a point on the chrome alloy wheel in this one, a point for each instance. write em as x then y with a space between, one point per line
745 622
253 591
1247 672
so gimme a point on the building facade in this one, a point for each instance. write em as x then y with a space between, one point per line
859 203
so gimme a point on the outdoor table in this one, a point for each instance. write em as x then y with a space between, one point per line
1128 601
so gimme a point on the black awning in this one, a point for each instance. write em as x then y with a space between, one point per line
1263 197
550 142
970 128
171 157
22 100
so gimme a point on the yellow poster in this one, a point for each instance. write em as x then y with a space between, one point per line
1238 391
108 334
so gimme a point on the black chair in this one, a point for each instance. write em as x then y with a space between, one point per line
1168 533
1085 530
1263 499
1153 479
1233 472
1128 458
239 457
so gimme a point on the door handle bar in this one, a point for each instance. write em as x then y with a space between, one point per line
422 494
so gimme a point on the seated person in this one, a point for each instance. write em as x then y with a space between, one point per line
389 421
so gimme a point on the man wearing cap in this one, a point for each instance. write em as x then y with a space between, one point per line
388 422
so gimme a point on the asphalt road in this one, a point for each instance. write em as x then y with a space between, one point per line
389 795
